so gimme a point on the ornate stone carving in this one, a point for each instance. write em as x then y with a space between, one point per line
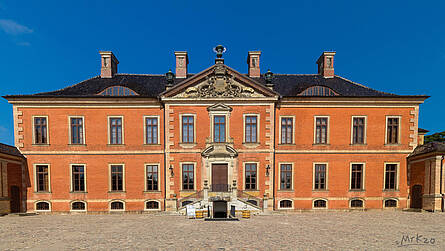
219 84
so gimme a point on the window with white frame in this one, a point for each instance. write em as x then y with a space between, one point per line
78 206
285 176
43 206
320 176
357 170
152 175
40 130
321 130
392 130
391 176
287 130
78 178
42 178
117 177
151 130
116 130
358 130
219 128
76 130
251 127
250 175
188 129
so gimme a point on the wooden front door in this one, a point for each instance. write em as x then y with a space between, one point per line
15 199
416 197
219 178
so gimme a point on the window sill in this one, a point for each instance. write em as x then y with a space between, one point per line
285 190
117 192
320 190
42 192
359 144
77 144
356 190
187 145
391 190
40 144
251 145
187 191
250 190
115 144
152 144
393 144
321 144
286 144
78 192
152 191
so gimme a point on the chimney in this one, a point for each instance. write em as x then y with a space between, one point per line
182 61
108 64
253 60
326 64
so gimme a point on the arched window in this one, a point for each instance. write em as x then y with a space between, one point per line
117 205
152 205
390 203
318 91
78 206
356 203
42 206
253 202
117 91
185 203
320 204
285 204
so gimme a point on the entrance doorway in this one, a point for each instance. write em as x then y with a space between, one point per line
219 178
220 209
416 197
15 199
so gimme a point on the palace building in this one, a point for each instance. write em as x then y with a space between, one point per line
218 140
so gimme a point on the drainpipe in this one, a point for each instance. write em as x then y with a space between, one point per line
273 161
441 182
165 164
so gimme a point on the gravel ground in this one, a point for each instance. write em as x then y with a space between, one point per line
301 231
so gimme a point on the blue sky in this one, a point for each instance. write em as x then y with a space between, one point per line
392 46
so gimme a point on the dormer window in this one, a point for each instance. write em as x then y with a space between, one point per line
118 91
318 91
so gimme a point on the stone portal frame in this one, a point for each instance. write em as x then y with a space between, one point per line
231 168
83 129
397 176
364 129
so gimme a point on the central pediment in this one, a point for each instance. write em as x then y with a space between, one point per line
219 81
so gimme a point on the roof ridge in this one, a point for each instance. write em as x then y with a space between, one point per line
364 86
138 74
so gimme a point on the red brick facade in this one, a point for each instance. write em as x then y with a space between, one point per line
337 153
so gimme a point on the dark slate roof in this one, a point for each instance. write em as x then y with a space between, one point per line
428 148
287 85
421 130
10 150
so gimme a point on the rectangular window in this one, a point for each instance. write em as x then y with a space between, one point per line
391 176
151 130
76 130
286 130
358 130
188 177
321 130
115 131
40 130
286 176
392 131
251 129
356 176
152 177
78 178
320 176
187 129
117 177
219 132
250 176
42 178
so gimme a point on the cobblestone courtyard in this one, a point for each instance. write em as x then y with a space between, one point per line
303 231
